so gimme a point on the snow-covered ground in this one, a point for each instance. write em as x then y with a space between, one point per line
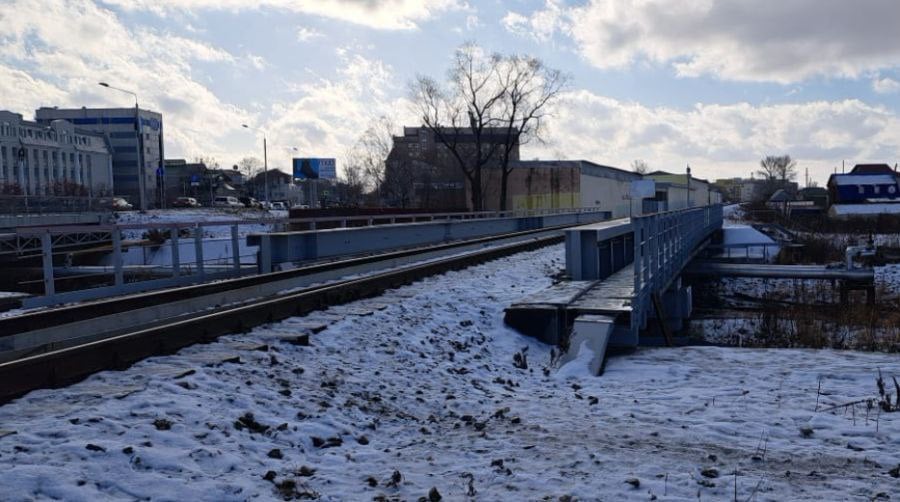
217 246
200 215
417 390
746 241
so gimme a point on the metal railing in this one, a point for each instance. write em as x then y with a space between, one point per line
180 240
50 204
663 244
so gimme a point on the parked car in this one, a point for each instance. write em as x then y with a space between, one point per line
281 206
250 202
226 201
114 203
300 206
186 202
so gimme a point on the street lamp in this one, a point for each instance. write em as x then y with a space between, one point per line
265 161
138 147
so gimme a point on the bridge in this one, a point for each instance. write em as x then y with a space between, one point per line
623 274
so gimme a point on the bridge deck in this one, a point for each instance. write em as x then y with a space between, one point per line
614 295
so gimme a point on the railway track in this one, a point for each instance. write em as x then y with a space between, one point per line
58 365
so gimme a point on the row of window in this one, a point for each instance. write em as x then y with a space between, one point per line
891 189
29 132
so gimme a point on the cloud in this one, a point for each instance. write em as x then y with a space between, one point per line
737 40
329 115
54 52
541 25
379 14
721 140
885 85
306 34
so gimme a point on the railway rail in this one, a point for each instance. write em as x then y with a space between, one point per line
58 365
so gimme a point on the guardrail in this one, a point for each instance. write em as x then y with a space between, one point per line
663 244
187 246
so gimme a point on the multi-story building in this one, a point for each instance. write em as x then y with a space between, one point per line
136 138
421 171
52 159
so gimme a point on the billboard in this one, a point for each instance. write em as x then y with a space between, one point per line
313 169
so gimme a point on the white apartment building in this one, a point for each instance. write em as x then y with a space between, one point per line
38 159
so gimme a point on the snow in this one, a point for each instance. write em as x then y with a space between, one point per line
864 179
861 209
887 280
161 216
740 239
424 385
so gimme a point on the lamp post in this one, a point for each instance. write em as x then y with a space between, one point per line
137 146
265 162
689 186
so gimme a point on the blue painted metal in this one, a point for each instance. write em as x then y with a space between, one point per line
290 247
664 243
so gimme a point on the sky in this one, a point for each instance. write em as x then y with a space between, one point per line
714 84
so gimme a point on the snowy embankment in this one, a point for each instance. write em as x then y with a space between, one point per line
416 392
217 245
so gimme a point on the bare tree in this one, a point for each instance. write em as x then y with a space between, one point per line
374 146
209 162
777 171
529 90
640 167
250 166
467 106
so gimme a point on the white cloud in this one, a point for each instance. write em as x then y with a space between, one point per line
784 42
541 25
306 34
330 115
885 85
380 14
721 140
54 53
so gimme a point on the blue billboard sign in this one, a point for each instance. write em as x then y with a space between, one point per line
313 169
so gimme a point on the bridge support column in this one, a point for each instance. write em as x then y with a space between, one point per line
677 306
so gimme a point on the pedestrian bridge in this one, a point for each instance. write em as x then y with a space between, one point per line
623 273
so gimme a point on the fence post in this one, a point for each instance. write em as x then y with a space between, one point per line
176 258
235 249
118 274
265 254
198 250
47 255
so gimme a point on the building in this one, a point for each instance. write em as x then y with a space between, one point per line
422 172
136 138
868 190
862 188
679 191
53 159
282 187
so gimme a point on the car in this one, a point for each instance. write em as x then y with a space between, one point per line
114 203
226 201
279 206
186 202
250 202
300 206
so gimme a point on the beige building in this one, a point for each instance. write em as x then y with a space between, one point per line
54 159
680 191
